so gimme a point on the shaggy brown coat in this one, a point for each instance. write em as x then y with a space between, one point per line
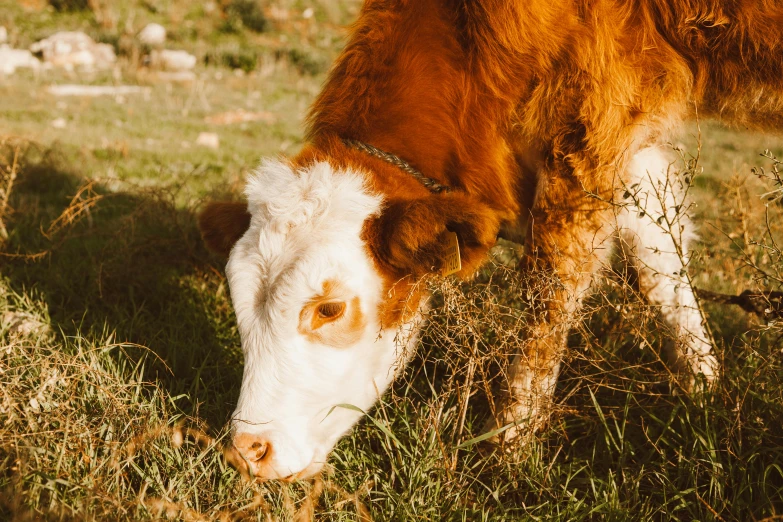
526 108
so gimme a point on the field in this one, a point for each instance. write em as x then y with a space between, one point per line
120 360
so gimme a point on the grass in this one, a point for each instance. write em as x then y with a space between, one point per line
120 359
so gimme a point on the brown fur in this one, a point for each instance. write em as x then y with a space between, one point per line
498 99
525 107
222 224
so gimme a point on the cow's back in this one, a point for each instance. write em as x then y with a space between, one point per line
735 51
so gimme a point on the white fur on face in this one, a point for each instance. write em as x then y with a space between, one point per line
305 231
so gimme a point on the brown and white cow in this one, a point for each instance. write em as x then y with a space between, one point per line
467 116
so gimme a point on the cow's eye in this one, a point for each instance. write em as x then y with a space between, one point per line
331 310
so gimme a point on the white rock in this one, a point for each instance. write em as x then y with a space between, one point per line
3 35
20 323
153 34
177 437
169 60
13 59
105 53
72 49
308 13
208 139
59 123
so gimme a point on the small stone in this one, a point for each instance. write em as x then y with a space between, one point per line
153 34
177 438
208 139
308 13
22 324
59 123
13 59
72 49
169 60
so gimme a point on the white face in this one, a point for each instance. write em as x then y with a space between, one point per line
306 296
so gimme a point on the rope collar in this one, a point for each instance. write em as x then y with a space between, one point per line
429 183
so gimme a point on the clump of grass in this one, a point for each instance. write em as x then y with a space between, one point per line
244 14
306 62
233 58
71 5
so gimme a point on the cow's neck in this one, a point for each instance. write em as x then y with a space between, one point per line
406 84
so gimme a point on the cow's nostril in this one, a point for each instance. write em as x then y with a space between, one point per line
254 449
257 453
261 450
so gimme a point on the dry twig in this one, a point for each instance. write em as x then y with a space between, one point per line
766 305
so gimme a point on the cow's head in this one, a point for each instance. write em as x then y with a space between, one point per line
322 274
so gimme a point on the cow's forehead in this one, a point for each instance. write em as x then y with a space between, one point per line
315 198
312 216
305 227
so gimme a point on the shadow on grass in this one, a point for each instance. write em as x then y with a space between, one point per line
128 260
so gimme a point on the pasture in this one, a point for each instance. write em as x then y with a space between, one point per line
120 360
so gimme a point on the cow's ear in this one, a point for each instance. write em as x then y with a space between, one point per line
411 237
222 224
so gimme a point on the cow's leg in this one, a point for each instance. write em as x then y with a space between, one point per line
568 240
655 229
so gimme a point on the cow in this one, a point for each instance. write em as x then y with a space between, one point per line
441 123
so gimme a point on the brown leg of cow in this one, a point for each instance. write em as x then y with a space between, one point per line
567 243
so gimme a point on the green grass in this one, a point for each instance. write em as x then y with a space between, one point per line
118 344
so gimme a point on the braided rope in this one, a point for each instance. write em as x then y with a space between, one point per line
431 185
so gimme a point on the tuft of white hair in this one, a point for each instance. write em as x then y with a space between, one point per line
287 199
